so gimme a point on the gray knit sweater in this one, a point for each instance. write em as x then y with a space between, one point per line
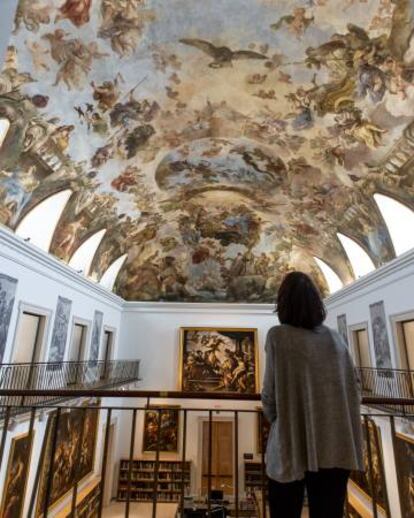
311 396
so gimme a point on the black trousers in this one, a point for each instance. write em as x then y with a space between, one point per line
326 490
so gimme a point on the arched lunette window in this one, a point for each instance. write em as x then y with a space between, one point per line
109 277
82 259
332 280
360 261
4 128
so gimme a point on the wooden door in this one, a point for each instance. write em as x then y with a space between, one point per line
221 459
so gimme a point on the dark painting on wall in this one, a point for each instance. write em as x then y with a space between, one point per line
380 335
167 421
219 360
74 453
404 460
342 327
371 433
60 330
262 431
8 287
14 488
96 336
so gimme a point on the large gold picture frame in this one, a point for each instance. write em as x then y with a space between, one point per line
17 473
169 416
219 359
404 461
74 459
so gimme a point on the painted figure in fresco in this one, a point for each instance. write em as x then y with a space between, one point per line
32 13
296 23
222 56
77 11
38 54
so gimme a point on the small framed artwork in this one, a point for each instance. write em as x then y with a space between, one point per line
404 461
262 431
14 489
342 327
161 423
216 359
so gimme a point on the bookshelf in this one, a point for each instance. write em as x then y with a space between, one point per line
253 477
87 502
142 480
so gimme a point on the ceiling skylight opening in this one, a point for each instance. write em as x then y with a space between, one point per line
38 226
82 259
4 128
109 277
400 222
360 261
332 280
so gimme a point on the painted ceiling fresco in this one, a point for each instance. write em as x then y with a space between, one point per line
221 143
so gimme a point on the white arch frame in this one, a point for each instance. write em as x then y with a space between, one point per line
109 277
82 258
361 262
332 279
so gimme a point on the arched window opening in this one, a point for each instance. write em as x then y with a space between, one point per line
82 259
109 277
332 280
399 220
360 261
39 224
4 128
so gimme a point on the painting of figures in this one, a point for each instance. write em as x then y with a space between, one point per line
74 452
8 287
262 431
219 360
17 473
163 425
373 462
96 336
404 460
380 334
60 330
342 327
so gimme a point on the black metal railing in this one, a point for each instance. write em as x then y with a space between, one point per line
50 462
63 375
387 383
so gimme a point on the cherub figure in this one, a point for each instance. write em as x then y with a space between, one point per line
296 23
38 55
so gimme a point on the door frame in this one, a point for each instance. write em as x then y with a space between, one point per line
46 313
111 471
201 421
397 334
86 341
112 330
353 329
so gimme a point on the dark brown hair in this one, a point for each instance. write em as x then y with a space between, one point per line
299 302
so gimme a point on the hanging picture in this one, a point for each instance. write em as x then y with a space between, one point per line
372 447
162 424
380 336
14 489
8 287
219 360
96 336
404 461
60 330
262 431
342 327
74 453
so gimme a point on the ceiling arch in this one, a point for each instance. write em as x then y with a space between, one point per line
217 160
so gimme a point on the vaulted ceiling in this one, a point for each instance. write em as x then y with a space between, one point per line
220 143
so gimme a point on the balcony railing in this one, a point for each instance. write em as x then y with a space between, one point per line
63 375
387 383
50 463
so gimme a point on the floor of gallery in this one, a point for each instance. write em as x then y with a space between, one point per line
144 510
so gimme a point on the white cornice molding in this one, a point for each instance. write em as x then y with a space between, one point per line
397 269
215 308
45 264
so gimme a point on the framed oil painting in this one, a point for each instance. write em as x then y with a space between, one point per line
361 480
14 489
262 427
216 359
404 460
74 453
165 423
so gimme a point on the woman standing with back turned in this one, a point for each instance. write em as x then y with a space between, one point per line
311 398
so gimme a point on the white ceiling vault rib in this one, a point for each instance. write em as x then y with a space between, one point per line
82 259
332 280
360 261
399 220
38 226
4 128
109 277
